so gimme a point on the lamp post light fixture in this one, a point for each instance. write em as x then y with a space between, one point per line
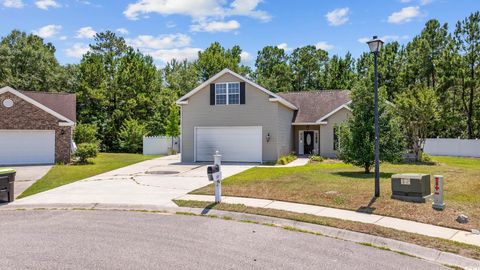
375 45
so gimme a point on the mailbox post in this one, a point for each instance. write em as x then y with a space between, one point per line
215 174
438 203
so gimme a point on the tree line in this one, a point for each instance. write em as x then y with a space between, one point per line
120 91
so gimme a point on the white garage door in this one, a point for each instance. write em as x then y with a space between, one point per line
238 144
27 147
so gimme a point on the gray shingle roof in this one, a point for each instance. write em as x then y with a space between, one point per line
62 103
313 105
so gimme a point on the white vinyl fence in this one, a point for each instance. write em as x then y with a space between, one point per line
159 145
452 147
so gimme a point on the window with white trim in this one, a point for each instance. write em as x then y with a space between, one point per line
227 93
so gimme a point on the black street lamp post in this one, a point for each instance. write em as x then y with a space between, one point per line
375 45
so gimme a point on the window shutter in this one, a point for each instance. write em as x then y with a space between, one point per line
242 92
212 94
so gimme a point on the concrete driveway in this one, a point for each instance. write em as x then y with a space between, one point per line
27 175
152 182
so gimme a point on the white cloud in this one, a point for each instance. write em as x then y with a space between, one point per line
406 14
13 3
46 4
284 46
246 57
47 31
405 1
63 38
179 53
123 31
386 38
337 16
77 50
217 9
86 32
324 46
215 26
164 48
425 2
148 42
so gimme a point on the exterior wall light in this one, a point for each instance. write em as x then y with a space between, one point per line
268 137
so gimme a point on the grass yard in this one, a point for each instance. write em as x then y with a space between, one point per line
61 175
339 185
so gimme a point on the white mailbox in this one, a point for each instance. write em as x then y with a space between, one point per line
438 192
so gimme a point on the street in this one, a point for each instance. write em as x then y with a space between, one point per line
61 239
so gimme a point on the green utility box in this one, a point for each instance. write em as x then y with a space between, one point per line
411 187
7 179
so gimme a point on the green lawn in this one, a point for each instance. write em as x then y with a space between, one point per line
339 185
61 175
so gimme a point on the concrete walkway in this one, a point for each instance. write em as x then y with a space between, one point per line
301 161
388 222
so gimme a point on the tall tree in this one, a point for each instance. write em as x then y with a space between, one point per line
357 135
27 63
467 36
272 69
418 113
390 62
180 76
118 83
308 64
215 58
435 37
339 72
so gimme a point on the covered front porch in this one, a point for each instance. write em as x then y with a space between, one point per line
315 139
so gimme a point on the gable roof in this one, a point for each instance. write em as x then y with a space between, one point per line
273 96
316 106
60 105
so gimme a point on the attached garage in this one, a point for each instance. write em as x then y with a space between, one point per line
36 127
235 144
22 147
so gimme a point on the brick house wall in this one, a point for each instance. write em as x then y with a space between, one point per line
23 115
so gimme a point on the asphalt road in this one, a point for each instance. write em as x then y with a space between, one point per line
135 240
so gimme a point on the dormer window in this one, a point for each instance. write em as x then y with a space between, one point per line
227 93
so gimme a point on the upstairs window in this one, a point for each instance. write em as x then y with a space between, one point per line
221 94
227 93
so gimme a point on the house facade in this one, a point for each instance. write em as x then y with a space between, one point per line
248 123
35 127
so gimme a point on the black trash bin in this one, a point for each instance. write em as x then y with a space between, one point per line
7 190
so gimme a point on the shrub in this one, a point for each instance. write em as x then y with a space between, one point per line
85 151
85 133
316 158
426 157
285 159
131 136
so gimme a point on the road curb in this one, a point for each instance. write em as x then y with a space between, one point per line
425 253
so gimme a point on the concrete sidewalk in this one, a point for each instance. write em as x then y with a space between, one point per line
388 222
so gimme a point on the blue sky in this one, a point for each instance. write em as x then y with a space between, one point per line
179 28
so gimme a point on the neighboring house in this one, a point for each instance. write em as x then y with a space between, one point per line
35 127
248 123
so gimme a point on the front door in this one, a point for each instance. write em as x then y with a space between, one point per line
308 142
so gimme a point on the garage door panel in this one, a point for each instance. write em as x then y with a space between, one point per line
236 144
27 147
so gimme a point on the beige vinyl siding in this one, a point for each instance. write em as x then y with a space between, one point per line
285 130
326 132
257 111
